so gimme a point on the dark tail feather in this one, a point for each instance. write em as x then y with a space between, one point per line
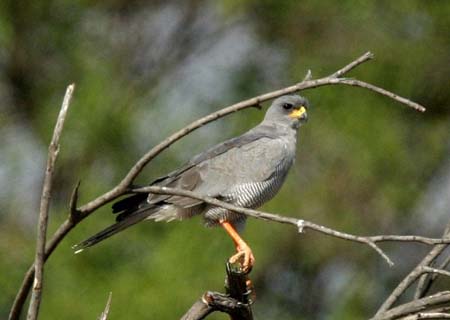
129 202
130 220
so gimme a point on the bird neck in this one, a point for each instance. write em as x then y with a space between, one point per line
281 128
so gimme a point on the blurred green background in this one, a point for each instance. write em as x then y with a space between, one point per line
143 69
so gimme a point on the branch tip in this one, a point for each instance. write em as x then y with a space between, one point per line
369 55
308 75
73 211
364 58
105 313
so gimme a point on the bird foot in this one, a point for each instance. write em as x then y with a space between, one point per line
244 257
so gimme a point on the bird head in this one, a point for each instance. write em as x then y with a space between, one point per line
288 110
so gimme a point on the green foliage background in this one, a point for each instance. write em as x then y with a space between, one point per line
363 165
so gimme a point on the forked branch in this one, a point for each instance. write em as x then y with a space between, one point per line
236 302
421 269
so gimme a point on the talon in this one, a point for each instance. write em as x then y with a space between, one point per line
245 256
249 259
236 257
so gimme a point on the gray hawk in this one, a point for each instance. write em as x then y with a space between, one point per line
246 171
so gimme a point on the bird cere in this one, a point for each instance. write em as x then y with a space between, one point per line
246 171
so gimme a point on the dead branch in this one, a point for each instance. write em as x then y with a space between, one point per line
414 307
53 150
428 315
236 302
365 57
427 280
123 186
430 270
300 224
414 274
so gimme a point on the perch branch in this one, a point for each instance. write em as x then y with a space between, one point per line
300 224
201 308
235 302
123 186
53 150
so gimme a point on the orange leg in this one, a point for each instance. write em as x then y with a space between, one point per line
242 248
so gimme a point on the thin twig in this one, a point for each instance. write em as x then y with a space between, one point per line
365 57
416 306
414 274
427 315
300 224
105 313
123 186
426 269
308 75
426 280
73 212
383 92
53 150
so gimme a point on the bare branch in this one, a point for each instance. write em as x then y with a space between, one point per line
53 150
445 309
308 75
414 274
426 269
365 57
200 309
25 287
426 280
416 306
427 315
236 302
105 313
300 224
123 186
215 301
227 304
383 92
73 212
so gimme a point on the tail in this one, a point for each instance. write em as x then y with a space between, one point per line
128 221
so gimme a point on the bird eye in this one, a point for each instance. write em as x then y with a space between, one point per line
287 106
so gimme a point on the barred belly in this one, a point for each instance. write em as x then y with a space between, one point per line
248 195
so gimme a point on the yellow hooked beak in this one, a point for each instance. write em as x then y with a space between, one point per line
299 113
